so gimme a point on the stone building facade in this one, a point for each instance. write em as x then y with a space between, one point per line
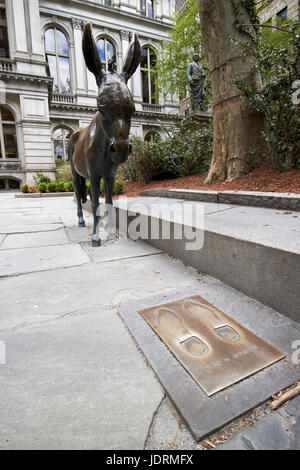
46 90
281 9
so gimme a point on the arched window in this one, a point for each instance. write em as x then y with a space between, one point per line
106 51
61 137
148 62
57 56
8 136
152 136
147 9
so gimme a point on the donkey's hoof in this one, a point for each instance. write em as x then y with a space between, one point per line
96 243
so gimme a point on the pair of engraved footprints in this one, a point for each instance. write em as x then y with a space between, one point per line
173 324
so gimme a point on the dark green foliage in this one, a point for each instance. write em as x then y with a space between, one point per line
40 178
177 52
118 187
277 53
69 186
42 187
52 187
24 188
60 186
186 151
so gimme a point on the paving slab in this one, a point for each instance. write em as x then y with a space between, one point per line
79 234
28 260
120 249
27 219
204 414
76 383
280 431
41 296
32 240
8 229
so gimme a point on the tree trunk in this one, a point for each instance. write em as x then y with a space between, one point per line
237 128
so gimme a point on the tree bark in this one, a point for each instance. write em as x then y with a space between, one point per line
237 128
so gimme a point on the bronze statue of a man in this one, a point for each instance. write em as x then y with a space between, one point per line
197 79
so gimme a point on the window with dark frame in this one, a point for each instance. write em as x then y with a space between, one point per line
106 51
8 135
148 63
60 138
4 44
57 56
147 8
282 14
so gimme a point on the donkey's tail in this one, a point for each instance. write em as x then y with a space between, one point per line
78 180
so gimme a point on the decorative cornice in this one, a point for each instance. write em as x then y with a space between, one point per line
25 78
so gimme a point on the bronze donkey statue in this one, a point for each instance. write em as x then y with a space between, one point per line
96 151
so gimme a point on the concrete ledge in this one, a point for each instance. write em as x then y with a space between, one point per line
38 195
254 251
244 198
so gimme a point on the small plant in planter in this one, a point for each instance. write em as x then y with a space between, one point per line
42 187
69 187
51 187
60 187
32 188
24 188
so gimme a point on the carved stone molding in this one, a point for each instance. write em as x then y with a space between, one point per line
77 23
125 35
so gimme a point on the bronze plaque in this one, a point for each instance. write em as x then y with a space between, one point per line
215 349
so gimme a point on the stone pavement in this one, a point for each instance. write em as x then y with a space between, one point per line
74 378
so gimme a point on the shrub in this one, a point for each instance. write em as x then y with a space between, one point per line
24 188
64 172
60 187
69 186
118 187
51 187
186 151
58 162
277 54
32 188
40 178
42 187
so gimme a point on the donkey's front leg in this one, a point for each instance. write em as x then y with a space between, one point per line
95 193
109 188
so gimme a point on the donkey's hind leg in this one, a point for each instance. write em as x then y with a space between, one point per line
80 191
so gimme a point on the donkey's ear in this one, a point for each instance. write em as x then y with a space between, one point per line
91 54
133 58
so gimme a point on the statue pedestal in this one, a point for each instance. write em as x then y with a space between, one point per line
199 118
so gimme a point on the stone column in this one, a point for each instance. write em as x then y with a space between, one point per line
125 38
78 55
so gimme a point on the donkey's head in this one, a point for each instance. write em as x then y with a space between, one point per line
115 102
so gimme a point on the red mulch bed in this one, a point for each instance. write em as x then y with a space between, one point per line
265 179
